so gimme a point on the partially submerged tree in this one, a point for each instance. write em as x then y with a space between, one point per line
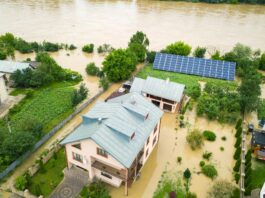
195 139
222 189
178 48
199 52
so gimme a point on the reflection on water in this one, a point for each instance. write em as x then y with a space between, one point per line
113 21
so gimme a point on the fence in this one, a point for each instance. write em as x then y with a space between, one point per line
12 166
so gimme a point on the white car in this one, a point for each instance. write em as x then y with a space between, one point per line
262 192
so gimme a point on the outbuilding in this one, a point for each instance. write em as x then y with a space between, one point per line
166 95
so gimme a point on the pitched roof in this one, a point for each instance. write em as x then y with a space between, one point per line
111 125
12 66
158 87
258 138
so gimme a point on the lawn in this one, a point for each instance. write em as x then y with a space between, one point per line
188 80
261 110
258 173
46 182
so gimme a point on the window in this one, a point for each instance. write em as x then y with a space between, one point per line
102 152
106 175
77 157
155 129
78 146
146 153
147 141
154 141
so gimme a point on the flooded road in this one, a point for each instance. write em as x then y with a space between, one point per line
114 21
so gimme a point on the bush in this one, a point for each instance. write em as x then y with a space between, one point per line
79 95
104 83
72 47
191 195
222 148
89 48
237 153
239 123
238 132
209 135
209 171
237 177
224 138
238 142
195 139
150 56
202 163
181 117
207 155
178 48
51 47
195 91
179 159
187 173
222 189
92 69
21 183
98 189
105 48
237 165
3 55
199 52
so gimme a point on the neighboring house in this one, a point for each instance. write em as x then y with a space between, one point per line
115 139
163 93
258 144
3 89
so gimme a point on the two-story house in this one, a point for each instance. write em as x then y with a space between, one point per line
115 139
166 95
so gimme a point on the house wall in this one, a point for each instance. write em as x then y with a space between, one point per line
89 154
3 90
174 106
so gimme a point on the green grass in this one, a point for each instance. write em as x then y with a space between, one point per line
188 80
261 110
258 173
52 176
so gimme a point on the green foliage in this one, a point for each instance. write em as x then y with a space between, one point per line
238 142
178 48
187 174
239 123
237 153
119 65
216 55
209 171
237 177
209 135
239 132
95 190
105 48
258 174
179 159
219 102
45 183
140 38
195 91
79 95
261 110
199 52
262 62
202 163
223 138
21 183
222 148
207 155
92 69
104 83
89 48
248 156
237 165
150 56
51 47
42 168
72 47
191 195
195 139
223 189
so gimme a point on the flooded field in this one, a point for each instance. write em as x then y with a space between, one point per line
172 144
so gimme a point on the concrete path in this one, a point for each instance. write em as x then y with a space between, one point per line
74 180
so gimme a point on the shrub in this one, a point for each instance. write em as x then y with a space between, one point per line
195 139
237 153
224 138
237 177
238 142
3 55
209 135
104 83
237 165
181 117
178 48
222 148
72 47
89 48
50 47
98 189
222 189
235 193
21 183
79 95
179 159
239 123
199 52
209 171
105 48
92 69
248 156
195 91
238 132
207 155
187 173
191 195
150 56
202 163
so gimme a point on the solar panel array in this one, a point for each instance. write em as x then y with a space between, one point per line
195 66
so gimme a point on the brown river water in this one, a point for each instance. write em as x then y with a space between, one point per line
113 22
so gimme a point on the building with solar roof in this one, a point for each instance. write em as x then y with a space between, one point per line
164 94
115 139
195 66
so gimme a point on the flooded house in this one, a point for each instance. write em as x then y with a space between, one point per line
115 139
258 144
166 95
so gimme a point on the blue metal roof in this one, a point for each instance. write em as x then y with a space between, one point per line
195 66
111 124
12 66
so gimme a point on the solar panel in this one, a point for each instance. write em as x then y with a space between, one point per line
195 66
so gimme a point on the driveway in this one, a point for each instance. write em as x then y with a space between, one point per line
74 180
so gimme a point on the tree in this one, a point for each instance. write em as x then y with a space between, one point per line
178 48
150 56
98 189
119 65
239 123
199 52
209 171
195 139
104 83
195 92
249 90
140 38
221 189
262 62
237 165
92 69
187 173
21 183
139 51
216 55
237 153
79 95
209 135
89 48
238 142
